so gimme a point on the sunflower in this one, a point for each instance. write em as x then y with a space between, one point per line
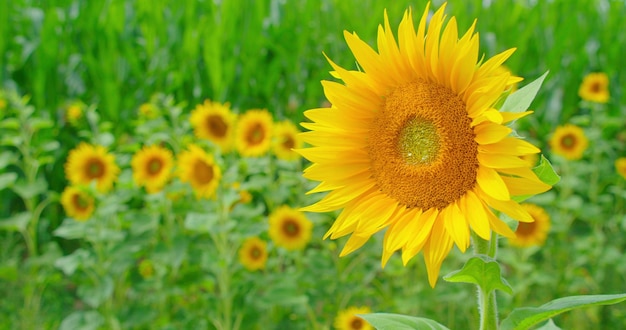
91 162
74 112
77 203
286 139
289 228
254 133
348 319
146 269
214 121
595 88
152 166
532 233
620 166
569 141
413 144
198 168
253 253
148 111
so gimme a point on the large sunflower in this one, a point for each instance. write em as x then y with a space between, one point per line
348 320
152 166
254 133
286 139
413 144
215 122
87 163
289 228
200 170
77 203
569 141
253 253
595 88
532 233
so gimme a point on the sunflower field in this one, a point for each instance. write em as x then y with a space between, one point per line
314 164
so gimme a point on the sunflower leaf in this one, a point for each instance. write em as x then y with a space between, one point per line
546 173
526 317
523 97
482 271
384 321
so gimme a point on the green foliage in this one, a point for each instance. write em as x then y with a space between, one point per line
482 271
385 321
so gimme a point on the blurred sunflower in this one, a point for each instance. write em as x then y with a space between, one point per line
199 168
152 166
215 122
289 228
620 166
595 88
569 141
532 233
253 253
286 139
146 269
148 110
74 112
77 203
413 144
348 320
254 132
89 162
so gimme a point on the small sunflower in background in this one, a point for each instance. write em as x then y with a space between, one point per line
77 203
286 139
348 320
289 228
74 112
253 253
87 163
148 111
532 233
569 141
199 169
146 269
620 166
595 88
253 133
152 167
413 145
215 122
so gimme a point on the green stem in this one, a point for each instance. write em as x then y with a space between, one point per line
487 305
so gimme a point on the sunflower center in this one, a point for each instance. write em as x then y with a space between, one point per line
203 173
217 125
255 135
291 228
421 146
356 324
95 168
568 141
288 143
255 253
525 229
595 87
419 142
80 202
154 166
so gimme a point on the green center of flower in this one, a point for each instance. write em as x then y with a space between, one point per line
80 202
568 141
154 166
291 228
203 173
419 142
255 253
95 168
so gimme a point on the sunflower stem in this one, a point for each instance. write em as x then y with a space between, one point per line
487 305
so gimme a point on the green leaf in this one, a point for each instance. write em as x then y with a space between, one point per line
549 326
546 172
29 190
523 97
90 320
6 179
68 264
71 229
94 295
526 317
384 321
7 158
482 271
16 222
201 222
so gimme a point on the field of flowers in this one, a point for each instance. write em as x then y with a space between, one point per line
243 164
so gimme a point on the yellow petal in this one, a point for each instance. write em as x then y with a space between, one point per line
457 226
488 132
491 183
511 146
511 208
500 160
521 186
435 250
355 242
474 210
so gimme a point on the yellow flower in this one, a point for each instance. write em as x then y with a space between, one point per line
198 168
620 166
286 139
3 103
87 162
595 88
289 228
532 233
569 141
348 319
214 121
73 113
77 203
152 166
254 133
253 254
146 269
412 144
148 110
